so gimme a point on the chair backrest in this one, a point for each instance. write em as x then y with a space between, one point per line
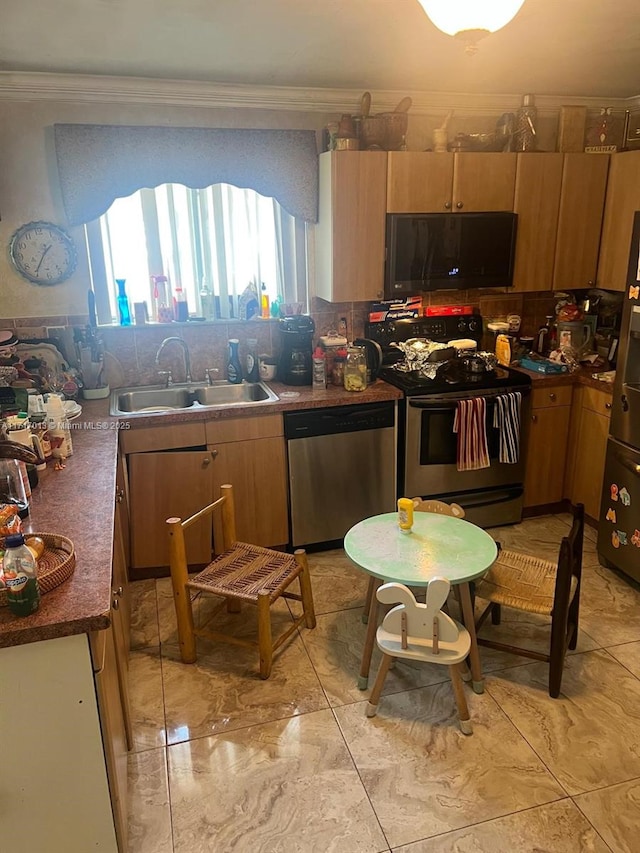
441 507
570 562
420 617
224 524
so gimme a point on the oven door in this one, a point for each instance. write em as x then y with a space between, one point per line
431 448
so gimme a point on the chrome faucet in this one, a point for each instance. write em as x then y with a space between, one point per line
185 352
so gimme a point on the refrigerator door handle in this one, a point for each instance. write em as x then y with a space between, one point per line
628 464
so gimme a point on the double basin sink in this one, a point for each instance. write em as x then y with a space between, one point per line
217 395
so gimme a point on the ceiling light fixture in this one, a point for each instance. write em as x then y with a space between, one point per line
470 20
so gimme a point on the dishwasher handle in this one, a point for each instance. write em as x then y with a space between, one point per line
339 419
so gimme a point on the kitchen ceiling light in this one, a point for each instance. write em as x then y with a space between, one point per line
470 20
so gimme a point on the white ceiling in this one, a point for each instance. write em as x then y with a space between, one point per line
552 47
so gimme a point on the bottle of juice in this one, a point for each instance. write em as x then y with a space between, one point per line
19 568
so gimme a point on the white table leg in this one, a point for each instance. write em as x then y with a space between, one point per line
470 625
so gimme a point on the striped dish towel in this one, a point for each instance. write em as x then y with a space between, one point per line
470 424
506 419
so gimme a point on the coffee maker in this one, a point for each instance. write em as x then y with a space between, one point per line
296 336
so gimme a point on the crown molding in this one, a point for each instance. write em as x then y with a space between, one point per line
86 88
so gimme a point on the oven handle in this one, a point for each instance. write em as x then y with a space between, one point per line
441 404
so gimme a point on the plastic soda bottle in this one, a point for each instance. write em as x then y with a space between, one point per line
19 568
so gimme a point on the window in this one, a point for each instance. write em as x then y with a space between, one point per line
218 244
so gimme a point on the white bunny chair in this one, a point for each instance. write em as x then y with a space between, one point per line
414 631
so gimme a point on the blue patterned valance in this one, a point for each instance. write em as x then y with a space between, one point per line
99 163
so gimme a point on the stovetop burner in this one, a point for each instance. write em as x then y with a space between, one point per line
414 383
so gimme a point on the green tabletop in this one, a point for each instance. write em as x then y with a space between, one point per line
437 545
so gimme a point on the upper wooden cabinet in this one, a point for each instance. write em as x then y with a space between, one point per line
350 234
582 194
537 202
425 182
623 199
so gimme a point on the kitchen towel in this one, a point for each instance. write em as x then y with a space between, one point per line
506 419
470 423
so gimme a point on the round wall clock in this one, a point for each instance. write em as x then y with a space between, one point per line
43 253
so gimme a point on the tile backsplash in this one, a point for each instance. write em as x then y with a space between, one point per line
130 351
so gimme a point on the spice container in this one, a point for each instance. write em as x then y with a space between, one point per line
319 373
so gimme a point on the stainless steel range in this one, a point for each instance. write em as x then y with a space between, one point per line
428 445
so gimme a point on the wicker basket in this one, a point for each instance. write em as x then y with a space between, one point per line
55 565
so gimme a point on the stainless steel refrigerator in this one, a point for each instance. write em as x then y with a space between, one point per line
619 522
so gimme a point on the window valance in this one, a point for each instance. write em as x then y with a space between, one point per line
99 163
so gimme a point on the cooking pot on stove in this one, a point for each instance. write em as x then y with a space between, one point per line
474 364
373 355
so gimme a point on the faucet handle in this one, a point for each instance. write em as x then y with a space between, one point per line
210 371
166 376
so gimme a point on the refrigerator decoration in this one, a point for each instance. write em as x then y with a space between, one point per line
625 497
635 539
611 515
614 492
634 291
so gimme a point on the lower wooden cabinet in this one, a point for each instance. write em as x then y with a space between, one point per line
592 412
247 452
546 445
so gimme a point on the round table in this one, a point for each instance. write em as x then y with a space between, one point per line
438 545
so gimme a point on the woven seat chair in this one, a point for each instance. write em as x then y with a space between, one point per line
242 573
533 585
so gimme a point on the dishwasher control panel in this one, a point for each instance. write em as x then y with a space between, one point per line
339 419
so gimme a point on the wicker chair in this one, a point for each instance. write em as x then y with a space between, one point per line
533 585
241 573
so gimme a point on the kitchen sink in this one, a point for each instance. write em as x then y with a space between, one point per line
218 395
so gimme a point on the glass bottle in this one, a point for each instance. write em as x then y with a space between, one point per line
525 134
19 569
206 300
12 486
355 369
124 312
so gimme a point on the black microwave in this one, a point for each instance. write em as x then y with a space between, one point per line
449 251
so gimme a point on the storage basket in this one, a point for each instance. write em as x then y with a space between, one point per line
56 564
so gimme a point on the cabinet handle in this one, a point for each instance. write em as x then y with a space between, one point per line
116 604
214 453
119 495
534 418
552 397
118 592
607 405
206 461
447 205
459 205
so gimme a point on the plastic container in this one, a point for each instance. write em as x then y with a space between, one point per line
19 569
251 361
124 312
264 303
206 301
234 369
319 374
405 514
180 306
59 432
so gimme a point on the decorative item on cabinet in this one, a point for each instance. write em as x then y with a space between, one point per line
604 133
571 129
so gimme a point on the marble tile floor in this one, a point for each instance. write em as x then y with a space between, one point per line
223 761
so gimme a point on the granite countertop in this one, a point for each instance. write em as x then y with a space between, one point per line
78 502
291 399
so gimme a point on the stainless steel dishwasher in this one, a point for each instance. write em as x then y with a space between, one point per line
342 468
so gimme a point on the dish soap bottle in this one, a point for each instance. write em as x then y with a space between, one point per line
234 370
264 302
124 311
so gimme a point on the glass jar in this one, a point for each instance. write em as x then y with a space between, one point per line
355 369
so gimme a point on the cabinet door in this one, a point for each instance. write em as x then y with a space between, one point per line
589 437
546 455
112 725
584 182
350 235
537 201
484 181
257 471
419 182
162 485
623 199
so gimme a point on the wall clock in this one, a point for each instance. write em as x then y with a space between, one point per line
43 253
